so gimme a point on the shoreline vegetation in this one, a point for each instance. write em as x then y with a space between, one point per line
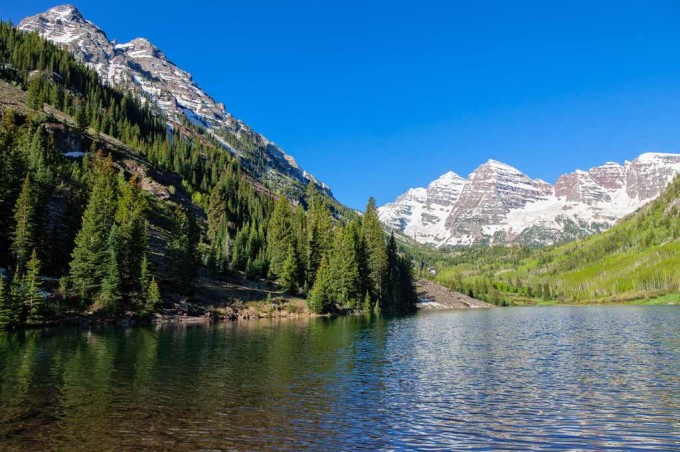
115 213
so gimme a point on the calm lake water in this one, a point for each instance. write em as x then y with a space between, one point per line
512 378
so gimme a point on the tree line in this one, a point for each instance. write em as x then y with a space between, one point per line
88 223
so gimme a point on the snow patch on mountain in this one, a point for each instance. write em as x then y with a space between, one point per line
498 204
142 68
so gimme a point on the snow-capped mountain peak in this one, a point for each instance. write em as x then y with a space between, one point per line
498 204
141 67
500 167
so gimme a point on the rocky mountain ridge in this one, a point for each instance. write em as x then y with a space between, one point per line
141 67
498 204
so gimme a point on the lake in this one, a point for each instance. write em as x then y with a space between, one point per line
511 378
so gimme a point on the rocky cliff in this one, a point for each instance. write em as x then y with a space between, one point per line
498 204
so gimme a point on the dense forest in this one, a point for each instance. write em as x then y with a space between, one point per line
637 259
84 235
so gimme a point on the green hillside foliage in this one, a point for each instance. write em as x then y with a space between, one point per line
637 259
87 222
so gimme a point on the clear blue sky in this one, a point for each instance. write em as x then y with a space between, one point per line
374 97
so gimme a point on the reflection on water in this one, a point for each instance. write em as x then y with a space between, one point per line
520 378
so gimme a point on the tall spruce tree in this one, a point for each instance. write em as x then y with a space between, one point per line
376 253
344 269
32 295
90 255
24 236
320 299
110 294
132 234
279 236
290 272
6 311
153 298
319 233
144 281
181 251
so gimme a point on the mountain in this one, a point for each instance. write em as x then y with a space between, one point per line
142 68
498 204
637 259
109 215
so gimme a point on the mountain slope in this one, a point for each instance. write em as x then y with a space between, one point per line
498 204
142 68
133 221
639 258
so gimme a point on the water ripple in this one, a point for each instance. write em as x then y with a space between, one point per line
599 378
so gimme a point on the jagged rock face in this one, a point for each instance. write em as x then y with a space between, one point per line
491 191
648 175
581 186
444 192
141 67
423 211
610 176
498 204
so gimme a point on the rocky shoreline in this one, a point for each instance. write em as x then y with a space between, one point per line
435 296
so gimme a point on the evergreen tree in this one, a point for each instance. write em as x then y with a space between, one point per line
279 236
320 299
367 304
24 231
239 252
153 299
34 98
393 269
6 311
319 233
90 255
110 295
17 297
144 280
32 296
181 251
299 230
81 117
290 272
131 218
344 269
376 252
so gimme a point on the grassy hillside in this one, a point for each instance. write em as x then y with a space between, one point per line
637 259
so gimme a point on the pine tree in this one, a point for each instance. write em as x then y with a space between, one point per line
181 251
299 230
153 299
81 117
290 272
32 296
34 98
132 235
144 281
6 316
279 236
344 269
376 252
239 252
17 297
90 255
320 298
319 233
393 274
110 295
24 230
